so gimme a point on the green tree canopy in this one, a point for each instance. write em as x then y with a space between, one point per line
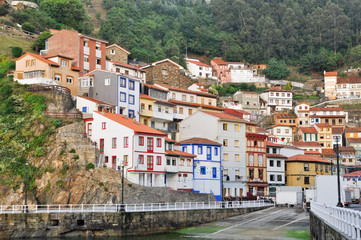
276 69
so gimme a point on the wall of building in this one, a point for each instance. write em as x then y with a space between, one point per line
119 55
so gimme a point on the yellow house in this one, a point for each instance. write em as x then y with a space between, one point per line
324 131
146 109
301 170
53 70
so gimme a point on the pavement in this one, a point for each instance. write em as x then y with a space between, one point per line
270 223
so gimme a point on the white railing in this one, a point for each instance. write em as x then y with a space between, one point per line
140 207
345 221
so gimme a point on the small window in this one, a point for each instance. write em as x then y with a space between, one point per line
216 151
86 58
126 72
159 142
203 170
97 46
86 43
104 125
69 79
225 157
98 61
279 178
184 97
200 150
131 114
28 63
131 99
236 128
225 142
84 109
307 180
106 159
64 63
214 172
159 160
114 142
278 163
225 126
126 144
123 82
306 167
141 141
271 163
107 81
57 77
180 110
125 160
131 85
141 159
112 51
122 97
272 177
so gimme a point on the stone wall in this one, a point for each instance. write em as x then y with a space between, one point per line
321 231
107 224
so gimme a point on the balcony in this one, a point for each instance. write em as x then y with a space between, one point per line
86 65
86 50
38 80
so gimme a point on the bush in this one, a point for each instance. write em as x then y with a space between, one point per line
28 27
3 10
76 157
72 150
89 166
16 51
40 151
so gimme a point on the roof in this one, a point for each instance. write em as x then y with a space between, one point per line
41 58
315 109
269 155
130 123
235 112
180 153
116 45
337 130
306 144
303 103
128 66
346 149
285 115
198 63
196 140
329 74
313 152
261 130
306 158
276 89
200 93
195 105
93 38
225 116
353 174
308 129
58 55
323 125
354 140
169 140
327 116
219 61
272 144
353 129
94 100
350 79
278 125
328 153
145 96
156 87
161 61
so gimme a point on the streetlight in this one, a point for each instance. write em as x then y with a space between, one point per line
339 204
26 188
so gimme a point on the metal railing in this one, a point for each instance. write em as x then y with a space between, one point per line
140 207
343 220
63 115
45 88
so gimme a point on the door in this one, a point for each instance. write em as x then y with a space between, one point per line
90 128
209 153
150 163
101 145
150 144
114 162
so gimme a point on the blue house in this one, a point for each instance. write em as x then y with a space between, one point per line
206 166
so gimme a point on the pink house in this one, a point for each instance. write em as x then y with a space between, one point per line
220 70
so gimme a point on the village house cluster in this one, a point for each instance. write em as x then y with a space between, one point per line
152 123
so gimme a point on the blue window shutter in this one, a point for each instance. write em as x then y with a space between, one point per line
84 109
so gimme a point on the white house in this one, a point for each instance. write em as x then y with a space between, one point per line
88 105
284 133
231 132
207 165
127 70
245 74
125 142
302 110
278 99
275 167
199 69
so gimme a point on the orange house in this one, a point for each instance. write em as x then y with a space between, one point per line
286 119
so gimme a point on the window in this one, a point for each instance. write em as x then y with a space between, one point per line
225 126
150 143
306 167
86 58
173 95
112 51
101 145
203 170
150 107
104 125
150 162
271 163
131 85
125 160
131 99
184 149
274 150
260 160
214 172
90 127
181 163
114 142
307 180
272 177
123 82
236 128
190 111
159 160
57 77
159 142
106 159
237 157
28 63
279 178
64 63
69 79
225 142
180 110
141 159
166 110
84 109
107 81
141 141
122 97
237 143
287 131
200 150
98 61
209 153
168 161
131 114
126 144
174 162
278 163
225 156
142 106
250 159
192 98
164 71
184 97
279 130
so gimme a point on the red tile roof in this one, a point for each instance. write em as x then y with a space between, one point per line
328 74
116 45
306 158
41 58
353 129
328 153
180 153
195 105
226 116
308 129
323 125
198 63
337 130
303 103
128 66
130 123
315 109
196 140
353 174
346 149
273 155
169 140
313 152
145 96
285 115
354 140
58 55
272 144
155 87
219 61
95 100
276 89
200 93
238 113
350 79
306 144
327 116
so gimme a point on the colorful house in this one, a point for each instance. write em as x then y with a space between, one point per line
207 172
324 132
330 80
302 110
275 167
307 134
278 99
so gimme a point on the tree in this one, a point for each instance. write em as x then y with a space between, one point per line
288 86
28 27
276 69
39 43
16 51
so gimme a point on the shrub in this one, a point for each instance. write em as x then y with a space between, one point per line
16 51
3 10
40 151
28 27
59 183
101 184
72 150
76 157
89 166
64 169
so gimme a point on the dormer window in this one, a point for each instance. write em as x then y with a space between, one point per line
64 63
112 51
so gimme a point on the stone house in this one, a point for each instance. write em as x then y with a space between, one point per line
116 53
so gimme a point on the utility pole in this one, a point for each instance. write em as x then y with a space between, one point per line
339 204
26 188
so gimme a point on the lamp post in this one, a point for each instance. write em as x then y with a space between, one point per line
339 204
122 182
26 187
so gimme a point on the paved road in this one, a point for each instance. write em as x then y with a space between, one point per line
271 223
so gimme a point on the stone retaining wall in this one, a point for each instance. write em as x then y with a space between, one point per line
107 224
321 231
